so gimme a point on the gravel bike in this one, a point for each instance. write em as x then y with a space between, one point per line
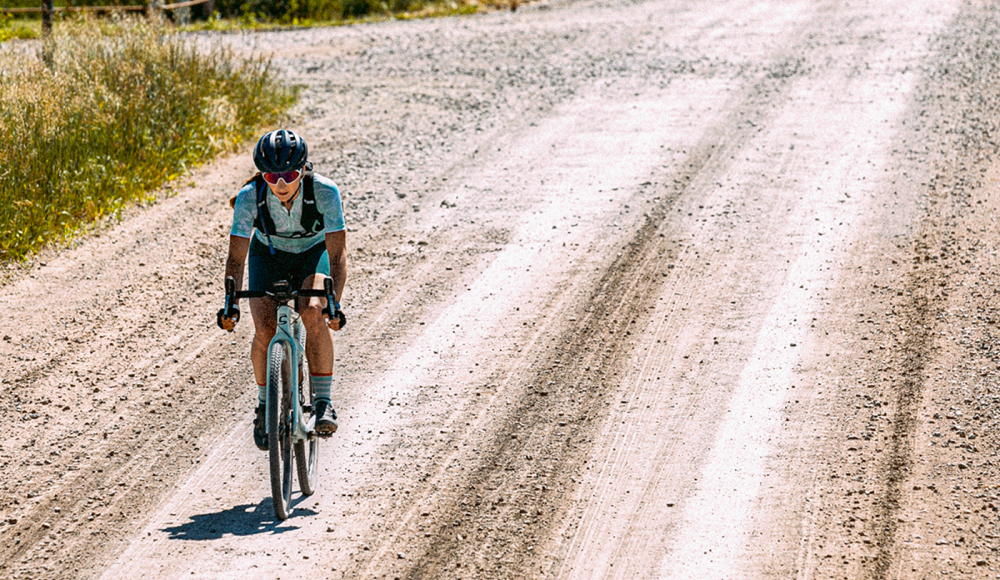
289 398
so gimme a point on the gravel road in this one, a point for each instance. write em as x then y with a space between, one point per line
652 289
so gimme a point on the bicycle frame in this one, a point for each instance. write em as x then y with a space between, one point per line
287 334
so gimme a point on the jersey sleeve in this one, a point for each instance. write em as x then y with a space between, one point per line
329 204
243 213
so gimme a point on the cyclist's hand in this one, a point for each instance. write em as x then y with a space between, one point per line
337 321
228 322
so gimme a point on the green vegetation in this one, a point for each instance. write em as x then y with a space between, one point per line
266 14
11 28
107 110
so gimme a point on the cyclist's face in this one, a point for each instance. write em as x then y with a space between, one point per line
285 191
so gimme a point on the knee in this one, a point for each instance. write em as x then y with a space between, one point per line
264 322
312 316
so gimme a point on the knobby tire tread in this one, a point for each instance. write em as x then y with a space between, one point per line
275 386
306 452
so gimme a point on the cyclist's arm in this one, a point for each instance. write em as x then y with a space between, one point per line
238 247
336 250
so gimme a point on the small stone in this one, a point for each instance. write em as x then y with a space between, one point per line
401 556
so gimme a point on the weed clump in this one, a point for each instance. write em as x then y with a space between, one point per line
104 111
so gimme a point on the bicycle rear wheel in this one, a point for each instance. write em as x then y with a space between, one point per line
279 432
307 452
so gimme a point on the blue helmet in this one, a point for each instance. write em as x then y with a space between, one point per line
279 151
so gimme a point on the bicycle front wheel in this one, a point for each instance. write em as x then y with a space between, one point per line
279 430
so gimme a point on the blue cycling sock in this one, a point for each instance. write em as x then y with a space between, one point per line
261 394
321 386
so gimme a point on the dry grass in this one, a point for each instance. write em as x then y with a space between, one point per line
103 111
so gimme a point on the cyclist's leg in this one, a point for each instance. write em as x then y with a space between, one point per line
264 321
264 270
265 324
319 338
319 343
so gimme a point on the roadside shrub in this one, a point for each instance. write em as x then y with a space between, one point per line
359 8
104 111
403 5
11 28
301 11
282 11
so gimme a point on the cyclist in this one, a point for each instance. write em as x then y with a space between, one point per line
291 221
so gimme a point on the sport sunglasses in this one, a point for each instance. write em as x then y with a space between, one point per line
287 176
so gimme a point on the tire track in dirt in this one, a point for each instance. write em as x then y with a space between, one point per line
527 423
835 126
524 520
960 155
534 437
916 350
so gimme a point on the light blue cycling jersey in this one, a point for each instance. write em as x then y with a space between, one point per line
287 223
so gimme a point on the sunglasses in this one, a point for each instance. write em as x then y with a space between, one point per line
287 176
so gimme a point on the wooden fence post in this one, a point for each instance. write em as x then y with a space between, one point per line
46 17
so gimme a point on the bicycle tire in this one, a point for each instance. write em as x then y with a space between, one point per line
279 433
307 453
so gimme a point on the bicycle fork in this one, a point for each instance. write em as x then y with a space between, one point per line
284 335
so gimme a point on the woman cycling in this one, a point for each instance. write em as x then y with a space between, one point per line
291 221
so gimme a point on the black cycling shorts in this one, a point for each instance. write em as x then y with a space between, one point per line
265 269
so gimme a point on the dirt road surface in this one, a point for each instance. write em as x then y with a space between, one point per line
653 289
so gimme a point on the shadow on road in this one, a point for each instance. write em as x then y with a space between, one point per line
241 520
